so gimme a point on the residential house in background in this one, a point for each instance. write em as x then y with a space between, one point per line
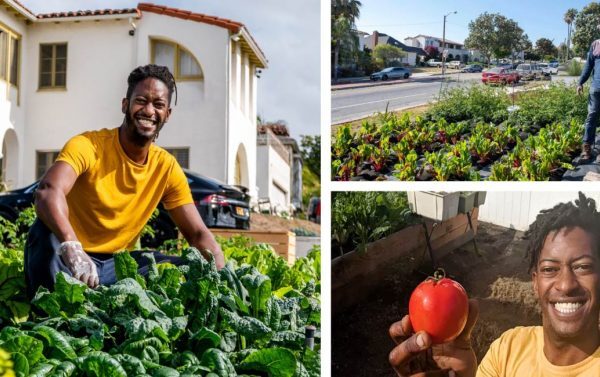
456 50
377 38
65 73
280 181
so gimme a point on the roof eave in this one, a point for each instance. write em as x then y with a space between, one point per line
26 13
260 58
135 14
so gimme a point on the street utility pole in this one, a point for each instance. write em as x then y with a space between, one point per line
444 52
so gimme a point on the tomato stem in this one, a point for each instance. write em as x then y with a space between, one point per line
438 275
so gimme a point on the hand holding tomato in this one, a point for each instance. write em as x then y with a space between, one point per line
420 354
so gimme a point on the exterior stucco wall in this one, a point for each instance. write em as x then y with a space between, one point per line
199 120
12 110
275 170
99 58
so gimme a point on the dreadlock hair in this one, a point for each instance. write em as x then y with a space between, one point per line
152 70
582 214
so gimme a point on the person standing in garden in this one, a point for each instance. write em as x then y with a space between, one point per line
102 189
564 254
591 68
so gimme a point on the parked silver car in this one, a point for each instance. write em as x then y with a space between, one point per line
391 73
529 71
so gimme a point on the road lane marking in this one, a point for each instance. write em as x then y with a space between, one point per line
383 100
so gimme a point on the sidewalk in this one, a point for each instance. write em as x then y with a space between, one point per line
365 81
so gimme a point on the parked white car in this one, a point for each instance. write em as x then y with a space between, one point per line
456 64
434 63
548 69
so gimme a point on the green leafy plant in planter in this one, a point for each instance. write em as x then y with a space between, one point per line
406 169
342 142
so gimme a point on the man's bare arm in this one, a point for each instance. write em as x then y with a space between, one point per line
51 200
194 230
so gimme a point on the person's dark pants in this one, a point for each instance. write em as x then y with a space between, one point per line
591 122
42 261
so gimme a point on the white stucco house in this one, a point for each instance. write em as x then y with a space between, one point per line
65 73
456 49
281 182
378 38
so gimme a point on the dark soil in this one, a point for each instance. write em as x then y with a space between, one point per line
497 277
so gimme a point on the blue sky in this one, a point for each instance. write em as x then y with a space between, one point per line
401 19
290 88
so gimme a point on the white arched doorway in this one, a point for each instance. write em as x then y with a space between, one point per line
10 159
240 171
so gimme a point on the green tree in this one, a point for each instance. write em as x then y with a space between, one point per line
386 54
570 15
544 46
344 40
495 35
310 147
586 28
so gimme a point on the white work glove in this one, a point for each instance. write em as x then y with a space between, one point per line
79 263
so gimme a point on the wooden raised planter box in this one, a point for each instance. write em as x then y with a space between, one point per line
355 275
283 242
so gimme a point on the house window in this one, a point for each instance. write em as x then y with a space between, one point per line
182 155
9 56
53 66
43 162
179 60
14 61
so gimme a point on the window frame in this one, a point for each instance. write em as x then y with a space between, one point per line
170 150
11 36
177 48
53 85
37 160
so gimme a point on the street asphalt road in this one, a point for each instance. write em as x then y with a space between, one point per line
352 104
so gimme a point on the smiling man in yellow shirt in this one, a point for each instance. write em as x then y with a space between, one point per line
564 254
103 187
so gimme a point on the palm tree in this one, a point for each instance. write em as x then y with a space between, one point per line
343 16
569 18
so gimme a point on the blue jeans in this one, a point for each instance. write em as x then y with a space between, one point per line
589 135
42 261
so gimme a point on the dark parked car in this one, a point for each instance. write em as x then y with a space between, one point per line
15 201
219 204
472 68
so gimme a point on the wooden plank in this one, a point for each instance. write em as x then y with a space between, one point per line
283 242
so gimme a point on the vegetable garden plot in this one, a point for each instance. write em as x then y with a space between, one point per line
192 320
475 142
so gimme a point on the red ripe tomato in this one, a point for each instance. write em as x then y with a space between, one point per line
439 307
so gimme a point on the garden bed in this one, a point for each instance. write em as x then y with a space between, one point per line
356 275
497 278
469 135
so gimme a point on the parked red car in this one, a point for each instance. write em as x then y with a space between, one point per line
500 75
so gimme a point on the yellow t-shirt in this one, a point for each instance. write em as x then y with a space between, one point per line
113 196
520 352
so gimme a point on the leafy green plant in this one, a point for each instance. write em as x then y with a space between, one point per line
362 217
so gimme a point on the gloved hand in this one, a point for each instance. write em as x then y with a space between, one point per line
79 263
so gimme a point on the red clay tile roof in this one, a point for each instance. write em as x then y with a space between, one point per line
234 26
82 13
278 129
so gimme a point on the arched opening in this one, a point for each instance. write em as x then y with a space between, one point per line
10 159
240 172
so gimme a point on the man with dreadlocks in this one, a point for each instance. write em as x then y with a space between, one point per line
564 254
102 189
